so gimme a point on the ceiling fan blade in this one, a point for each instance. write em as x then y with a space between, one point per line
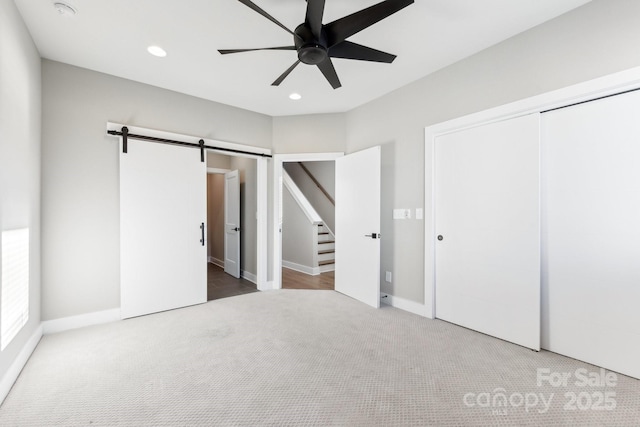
349 50
228 51
315 10
329 72
253 6
339 30
285 74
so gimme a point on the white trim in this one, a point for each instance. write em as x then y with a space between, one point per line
311 271
16 367
404 304
589 90
262 226
267 287
209 143
276 224
218 171
80 321
249 276
216 261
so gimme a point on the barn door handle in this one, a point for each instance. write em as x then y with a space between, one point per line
202 230
373 235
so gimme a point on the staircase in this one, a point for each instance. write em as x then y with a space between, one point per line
326 249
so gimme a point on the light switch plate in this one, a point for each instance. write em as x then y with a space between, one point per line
419 213
402 214
387 277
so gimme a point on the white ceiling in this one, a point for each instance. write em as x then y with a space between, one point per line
111 36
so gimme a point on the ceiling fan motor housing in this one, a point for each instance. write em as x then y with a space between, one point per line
310 50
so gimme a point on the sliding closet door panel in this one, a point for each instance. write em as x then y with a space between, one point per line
591 232
163 257
488 228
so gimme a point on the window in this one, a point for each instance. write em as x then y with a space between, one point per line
14 292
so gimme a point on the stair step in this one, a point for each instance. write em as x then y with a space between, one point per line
326 251
326 241
321 233
326 262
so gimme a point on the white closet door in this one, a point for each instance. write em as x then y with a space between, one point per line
488 217
163 255
232 223
358 226
591 232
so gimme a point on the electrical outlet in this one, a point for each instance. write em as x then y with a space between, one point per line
387 277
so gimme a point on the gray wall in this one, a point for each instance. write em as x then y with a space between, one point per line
20 93
297 237
599 38
80 207
317 133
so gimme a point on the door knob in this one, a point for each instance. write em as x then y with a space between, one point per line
440 237
373 235
236 229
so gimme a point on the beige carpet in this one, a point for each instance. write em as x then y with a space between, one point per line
295 357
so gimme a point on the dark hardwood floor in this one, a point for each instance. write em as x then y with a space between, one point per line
222 285
292 279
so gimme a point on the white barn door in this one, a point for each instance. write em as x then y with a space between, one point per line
163 254
487 215
591 232
357 271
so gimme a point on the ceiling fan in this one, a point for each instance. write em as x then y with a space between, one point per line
316 43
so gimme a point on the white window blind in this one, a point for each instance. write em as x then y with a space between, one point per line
14 292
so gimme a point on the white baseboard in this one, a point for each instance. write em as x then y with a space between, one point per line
14 370
312 271
216 261
404 304
249 276
75 322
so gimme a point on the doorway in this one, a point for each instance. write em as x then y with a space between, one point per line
230 233
308 224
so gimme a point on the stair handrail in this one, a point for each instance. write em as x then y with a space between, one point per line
301 200
317 183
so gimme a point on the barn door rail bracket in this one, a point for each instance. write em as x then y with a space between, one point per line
124 133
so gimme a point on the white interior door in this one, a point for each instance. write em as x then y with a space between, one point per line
163 255
591 232
357 231
232 223
488 227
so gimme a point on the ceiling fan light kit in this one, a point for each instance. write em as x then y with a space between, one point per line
316 43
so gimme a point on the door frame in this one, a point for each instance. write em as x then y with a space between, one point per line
215 171
582 92
278 160
262 225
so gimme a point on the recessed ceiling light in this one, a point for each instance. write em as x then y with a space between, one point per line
157 51
295 96
64 9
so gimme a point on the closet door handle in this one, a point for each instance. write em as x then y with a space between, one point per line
202 230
